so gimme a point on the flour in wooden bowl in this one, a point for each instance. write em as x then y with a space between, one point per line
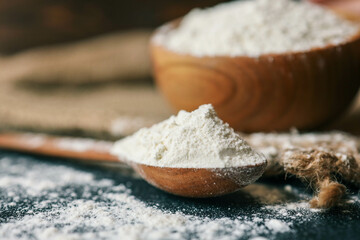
198 139
253 28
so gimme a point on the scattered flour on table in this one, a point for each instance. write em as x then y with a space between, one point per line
74 204
256 27
198 139
277 225
59 202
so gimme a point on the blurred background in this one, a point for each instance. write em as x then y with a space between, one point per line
82 67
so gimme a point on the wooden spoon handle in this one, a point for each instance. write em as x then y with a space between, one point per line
84 149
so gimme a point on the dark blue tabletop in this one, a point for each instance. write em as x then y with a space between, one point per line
47 198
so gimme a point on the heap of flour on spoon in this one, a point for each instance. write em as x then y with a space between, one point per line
198 139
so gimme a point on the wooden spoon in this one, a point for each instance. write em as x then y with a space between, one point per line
187 182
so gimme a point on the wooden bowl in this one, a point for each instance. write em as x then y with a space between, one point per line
273 92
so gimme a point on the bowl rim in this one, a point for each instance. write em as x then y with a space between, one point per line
165 28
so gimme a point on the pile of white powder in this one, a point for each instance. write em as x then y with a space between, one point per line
256 27
198 139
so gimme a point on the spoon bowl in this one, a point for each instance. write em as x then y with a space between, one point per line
199 182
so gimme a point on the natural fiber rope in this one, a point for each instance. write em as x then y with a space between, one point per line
321 160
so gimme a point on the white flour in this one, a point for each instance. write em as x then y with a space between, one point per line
256 27
74 204
189 140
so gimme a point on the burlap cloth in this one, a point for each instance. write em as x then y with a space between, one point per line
82 88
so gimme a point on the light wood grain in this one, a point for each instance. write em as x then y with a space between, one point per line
270 93
53 146
200 182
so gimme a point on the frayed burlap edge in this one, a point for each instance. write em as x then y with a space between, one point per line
329 163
